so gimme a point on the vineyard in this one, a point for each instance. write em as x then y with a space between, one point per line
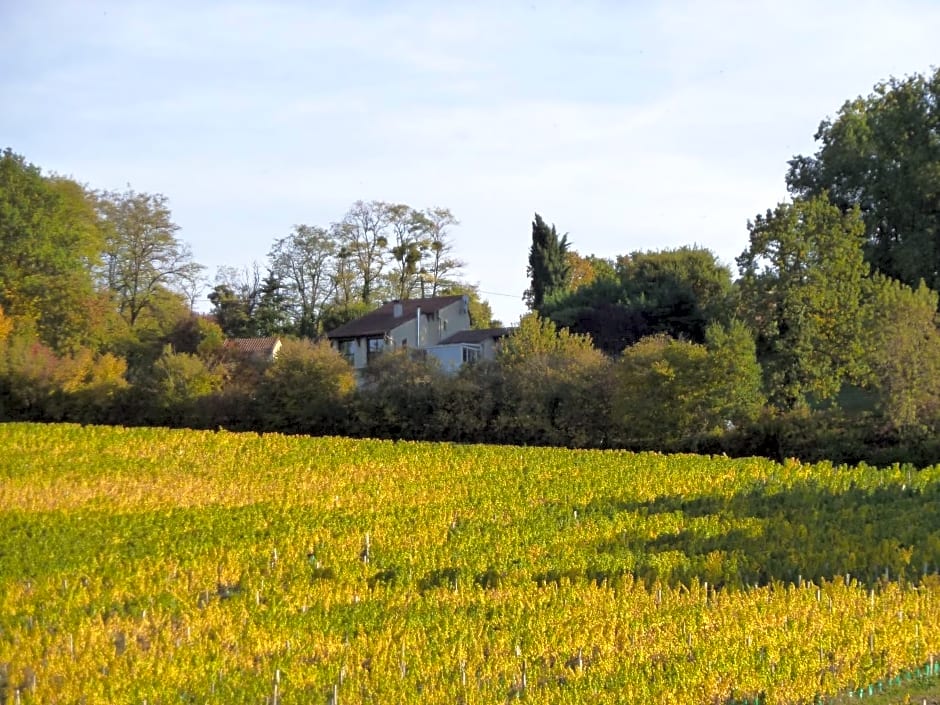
157 566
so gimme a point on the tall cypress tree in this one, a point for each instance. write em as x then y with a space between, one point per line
549 269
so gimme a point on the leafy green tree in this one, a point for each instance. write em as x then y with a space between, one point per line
680 292
306 389
662 391
235 299
272 315
553 387
734 377
49 239
177 383
399 396
881 154
231 312
302 263
801 290
549 269
672 392
538 339
676 292
903 353
143 258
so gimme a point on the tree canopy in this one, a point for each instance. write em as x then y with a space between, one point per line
801 291
881 154
549 268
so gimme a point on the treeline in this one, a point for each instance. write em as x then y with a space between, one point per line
825 345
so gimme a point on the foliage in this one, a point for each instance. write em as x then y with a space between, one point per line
553 387
305 389
676 292
36 383
537 340
49 235
801 290
903 353
670 391
302 264
233 568
549 269
398 396
6 325
142 256
734 373
881 154
177 383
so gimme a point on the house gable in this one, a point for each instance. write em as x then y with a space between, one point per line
414 323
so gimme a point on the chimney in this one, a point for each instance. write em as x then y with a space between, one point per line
418 328
397 309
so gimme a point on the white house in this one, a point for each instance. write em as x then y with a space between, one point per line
468 346
418 324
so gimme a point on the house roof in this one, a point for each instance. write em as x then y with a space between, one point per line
476 336
383 319
254 346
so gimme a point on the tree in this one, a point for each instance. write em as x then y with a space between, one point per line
903 353
734 374
584 271
538 339
177 383
407 248
672 391
306 389
680 292
549 269
553 388
235 299
398 396
364 240
439 262
302 263
272 314
142 255
50 238
230 311
801 290
881 154
676 292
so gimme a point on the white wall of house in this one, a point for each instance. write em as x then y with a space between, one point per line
434 327
454 355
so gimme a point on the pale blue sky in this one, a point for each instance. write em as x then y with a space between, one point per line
631 126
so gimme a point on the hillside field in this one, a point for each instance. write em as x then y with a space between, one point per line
156 566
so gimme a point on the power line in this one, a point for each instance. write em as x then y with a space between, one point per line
496 293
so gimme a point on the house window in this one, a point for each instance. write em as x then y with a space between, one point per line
347 348
375 347
471 354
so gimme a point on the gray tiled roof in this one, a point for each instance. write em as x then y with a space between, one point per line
476 336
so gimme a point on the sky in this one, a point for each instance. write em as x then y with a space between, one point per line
629 125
